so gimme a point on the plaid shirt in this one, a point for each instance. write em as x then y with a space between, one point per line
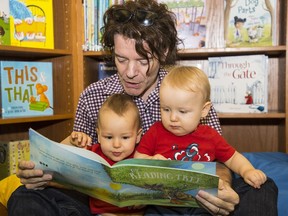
94 95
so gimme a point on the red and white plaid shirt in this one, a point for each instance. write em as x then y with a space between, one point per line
94 95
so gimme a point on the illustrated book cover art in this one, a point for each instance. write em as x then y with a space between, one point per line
31 23
11 152
191 21
239 84
128 182
106 69
4 23
26 88
250 23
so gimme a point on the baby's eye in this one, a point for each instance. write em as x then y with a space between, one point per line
125 137
165 109
183 111
108 137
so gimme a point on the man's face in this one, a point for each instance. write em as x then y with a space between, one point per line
132 68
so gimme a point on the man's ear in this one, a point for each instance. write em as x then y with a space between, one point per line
206 109
139 134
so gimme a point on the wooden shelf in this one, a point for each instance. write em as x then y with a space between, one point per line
36 119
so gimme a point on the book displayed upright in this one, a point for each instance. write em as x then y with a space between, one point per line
11 152
191 21
106 69
128 182
250 23
239 84
4 23
31 23
26 88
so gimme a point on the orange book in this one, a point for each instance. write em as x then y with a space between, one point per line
31 23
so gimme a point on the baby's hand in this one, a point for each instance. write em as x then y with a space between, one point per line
158 157
80 139
255 178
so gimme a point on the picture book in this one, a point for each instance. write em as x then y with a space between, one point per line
4 23
106 69
250 23
191 21
239 83
26 88
128 182
11 152
31 23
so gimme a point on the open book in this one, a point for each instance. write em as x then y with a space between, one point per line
128 182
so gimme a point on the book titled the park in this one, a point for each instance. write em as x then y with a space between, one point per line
31 23
128 182
250 23
26 88
191 21
239 84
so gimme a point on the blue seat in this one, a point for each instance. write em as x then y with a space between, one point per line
274 165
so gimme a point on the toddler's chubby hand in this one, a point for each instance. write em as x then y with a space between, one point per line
80 139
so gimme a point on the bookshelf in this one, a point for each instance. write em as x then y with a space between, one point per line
58 126
73 69
246 132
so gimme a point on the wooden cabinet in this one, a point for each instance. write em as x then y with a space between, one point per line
73 69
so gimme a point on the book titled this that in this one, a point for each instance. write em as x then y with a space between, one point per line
239 83
26 88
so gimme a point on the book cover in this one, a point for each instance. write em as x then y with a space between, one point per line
26 88
106 69
4 23
31 23
191 21
11 152
250 23
128 182
239 84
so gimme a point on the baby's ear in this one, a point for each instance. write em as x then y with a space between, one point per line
206 108
139 134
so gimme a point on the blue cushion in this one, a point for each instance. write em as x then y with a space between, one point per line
274 165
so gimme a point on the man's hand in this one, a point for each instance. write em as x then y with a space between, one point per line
223 204
32 178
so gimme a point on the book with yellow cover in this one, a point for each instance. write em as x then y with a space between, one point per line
31 23
11 152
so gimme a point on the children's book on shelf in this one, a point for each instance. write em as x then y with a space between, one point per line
26 88
191 21
31 23
250 23
128 182
239 84
106 69
4 23
11 152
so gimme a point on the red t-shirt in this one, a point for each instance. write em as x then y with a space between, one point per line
98 206
203 144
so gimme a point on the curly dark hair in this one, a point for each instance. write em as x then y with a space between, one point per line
161 36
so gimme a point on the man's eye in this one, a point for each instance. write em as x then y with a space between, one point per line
143 62
121 60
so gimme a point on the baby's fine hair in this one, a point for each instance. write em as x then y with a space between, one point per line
188 78
161 36
121 104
